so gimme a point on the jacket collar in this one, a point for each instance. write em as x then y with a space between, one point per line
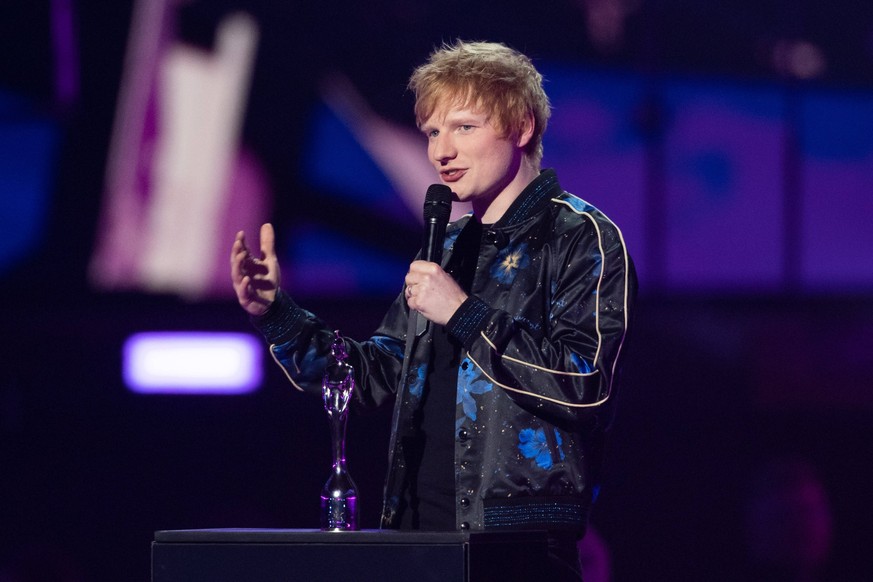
532 199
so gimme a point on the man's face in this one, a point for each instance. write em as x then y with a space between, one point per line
469 155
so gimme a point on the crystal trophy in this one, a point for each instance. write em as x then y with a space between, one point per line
339 510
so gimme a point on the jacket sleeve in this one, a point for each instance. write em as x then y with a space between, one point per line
564 372
300 343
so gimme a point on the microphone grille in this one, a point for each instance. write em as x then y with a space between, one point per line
438 203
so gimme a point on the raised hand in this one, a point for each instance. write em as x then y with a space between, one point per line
255 278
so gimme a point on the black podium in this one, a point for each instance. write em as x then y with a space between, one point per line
285 555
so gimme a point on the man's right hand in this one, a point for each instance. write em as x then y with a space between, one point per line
255 279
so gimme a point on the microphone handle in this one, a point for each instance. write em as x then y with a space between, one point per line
435 232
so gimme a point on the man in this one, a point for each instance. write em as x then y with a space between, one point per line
501 407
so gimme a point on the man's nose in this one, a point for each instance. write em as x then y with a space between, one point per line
443 149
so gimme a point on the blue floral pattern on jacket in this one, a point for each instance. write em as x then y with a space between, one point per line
469 384
450 239
533 445
416 387
509 262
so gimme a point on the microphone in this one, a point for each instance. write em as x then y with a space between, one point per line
437 208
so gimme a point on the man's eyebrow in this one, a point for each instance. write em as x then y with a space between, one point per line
465 115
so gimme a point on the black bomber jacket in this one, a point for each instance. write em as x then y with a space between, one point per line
542 331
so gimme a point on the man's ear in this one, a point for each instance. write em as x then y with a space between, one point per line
527 131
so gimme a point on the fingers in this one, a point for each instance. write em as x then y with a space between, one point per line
410 296
420 281
432 292
422 276
238 254
243 263
420 272
239 250
268 241
255 280
243 266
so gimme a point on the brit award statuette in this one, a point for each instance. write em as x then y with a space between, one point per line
339 510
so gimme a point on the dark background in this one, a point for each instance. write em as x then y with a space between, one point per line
714 385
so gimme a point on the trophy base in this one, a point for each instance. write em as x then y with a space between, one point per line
339 513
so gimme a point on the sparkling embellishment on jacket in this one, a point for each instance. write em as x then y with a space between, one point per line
544 513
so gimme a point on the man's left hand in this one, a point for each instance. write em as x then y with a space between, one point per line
432 292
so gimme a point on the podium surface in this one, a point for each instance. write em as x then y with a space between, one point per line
280 555
262 555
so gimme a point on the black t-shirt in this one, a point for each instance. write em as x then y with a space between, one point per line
430 497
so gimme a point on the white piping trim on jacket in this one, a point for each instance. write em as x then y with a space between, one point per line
626 316
535 395
596 325
523 363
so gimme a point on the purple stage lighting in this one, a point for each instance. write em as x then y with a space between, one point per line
192 363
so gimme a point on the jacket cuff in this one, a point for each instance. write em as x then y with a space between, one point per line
469 320
282 322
